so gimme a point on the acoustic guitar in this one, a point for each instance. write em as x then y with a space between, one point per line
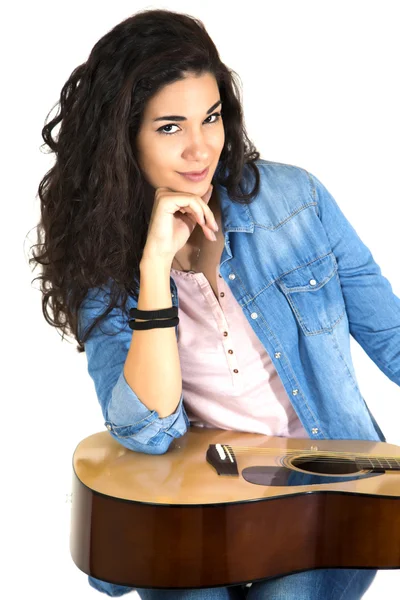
223 507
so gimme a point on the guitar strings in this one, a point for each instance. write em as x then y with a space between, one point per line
319 455
309 451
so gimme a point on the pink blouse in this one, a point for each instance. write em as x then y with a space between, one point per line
228 379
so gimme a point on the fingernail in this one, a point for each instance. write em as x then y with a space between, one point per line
213 236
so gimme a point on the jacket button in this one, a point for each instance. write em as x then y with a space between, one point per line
312 282
314 430
294 392
231 276
277 354
108 427
254 315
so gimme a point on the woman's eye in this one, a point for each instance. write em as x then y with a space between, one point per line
161 129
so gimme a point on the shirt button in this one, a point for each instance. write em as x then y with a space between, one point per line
230 351
219 275
277 354
235 371
108 427
222 294
314 430
312 282
295 392
225 333
254 315
231 276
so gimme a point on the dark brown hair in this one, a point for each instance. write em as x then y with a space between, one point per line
94 201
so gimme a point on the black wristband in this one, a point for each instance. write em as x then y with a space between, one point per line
154 314
140 325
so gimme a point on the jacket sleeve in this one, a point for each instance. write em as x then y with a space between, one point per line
127 419
373 310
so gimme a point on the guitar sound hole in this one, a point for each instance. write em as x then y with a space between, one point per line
325 464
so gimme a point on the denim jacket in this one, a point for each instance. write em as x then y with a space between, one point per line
305 281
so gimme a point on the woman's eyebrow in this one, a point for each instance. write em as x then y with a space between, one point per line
178 118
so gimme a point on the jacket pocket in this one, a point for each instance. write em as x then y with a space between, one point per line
315 294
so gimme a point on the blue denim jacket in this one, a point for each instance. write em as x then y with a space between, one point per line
305 281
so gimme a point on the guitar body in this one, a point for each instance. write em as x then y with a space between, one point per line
224 508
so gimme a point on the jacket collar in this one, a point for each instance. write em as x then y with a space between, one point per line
234 216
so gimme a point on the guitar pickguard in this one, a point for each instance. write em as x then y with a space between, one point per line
283 476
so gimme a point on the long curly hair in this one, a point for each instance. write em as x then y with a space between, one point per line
95 204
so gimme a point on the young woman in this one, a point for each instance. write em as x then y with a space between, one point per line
265 272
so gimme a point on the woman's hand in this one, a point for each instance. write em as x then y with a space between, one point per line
173 218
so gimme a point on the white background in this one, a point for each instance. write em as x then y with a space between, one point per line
320 90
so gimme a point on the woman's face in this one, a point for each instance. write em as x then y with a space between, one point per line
168 147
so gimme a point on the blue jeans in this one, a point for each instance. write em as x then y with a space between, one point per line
318 584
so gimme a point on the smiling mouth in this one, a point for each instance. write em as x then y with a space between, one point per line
194 172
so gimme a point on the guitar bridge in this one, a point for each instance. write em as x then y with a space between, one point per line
222 458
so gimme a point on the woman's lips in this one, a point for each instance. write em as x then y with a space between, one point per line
198 177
